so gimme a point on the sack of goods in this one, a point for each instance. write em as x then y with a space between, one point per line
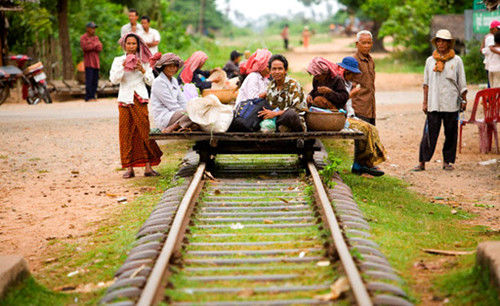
211 115
247 115
226 90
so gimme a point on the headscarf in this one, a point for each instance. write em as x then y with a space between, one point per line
159 60
319 65
192 63
257 62
143 52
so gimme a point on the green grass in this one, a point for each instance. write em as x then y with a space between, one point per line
102 252
403 223
391 64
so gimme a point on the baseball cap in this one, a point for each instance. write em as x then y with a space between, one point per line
91 25
235 54
494 24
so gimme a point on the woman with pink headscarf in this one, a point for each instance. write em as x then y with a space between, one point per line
192 72
132 72
255 73
328 85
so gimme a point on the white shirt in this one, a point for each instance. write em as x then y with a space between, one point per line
493 59
253 85
489 40
150 36
166 99
128 28
445 87
130 81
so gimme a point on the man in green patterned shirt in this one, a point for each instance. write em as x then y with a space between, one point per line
286 97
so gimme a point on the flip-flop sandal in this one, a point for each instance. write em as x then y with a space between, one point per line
128 174
418 169
448 167
153 173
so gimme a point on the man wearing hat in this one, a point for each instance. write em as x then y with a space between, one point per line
445 94
232 67
91 46
487 43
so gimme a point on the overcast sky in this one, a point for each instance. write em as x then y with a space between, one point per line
253 9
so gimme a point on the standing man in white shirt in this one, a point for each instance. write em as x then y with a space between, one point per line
132 26
150 35
445 94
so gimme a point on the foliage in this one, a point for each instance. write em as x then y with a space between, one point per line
330 170
190 11
473 63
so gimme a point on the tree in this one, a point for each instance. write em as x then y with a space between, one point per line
67 59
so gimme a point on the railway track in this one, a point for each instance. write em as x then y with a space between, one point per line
267 238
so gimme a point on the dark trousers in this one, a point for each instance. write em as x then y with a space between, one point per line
431 134
357 150
285 42
91 79
291 120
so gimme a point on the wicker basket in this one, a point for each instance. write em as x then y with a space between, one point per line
318 121
225 96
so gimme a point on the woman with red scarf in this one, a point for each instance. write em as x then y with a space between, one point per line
132 72
255 73
192 72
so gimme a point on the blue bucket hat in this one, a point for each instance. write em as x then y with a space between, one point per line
350 63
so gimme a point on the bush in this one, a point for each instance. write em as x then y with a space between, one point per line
473 63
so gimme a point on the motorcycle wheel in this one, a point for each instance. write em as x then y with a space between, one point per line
4 94
43 92
33 96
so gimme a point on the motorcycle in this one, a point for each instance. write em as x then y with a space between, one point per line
34 80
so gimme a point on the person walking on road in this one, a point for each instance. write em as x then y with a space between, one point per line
91 46
363 102
306 35
132 26
285 34
445 94
151 36
132 71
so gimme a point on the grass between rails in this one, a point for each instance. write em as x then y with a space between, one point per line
403 223
99 254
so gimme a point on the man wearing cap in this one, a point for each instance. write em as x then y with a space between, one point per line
232 67
445 94
91 46
488 43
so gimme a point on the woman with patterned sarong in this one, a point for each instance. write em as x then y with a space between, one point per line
133 72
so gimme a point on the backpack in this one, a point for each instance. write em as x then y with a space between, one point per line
246 116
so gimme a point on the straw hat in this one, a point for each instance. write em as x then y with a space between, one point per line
443 34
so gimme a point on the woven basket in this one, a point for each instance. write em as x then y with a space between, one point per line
225 96
317 121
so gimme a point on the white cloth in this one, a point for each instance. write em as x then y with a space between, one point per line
166 99
489 40
128 28
348 104
445 87
130 81
492 59
211 115
149 37
253 85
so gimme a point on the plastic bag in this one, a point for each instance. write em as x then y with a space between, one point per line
268 125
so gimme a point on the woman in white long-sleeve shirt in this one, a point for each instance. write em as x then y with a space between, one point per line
168 104
132 72
255 72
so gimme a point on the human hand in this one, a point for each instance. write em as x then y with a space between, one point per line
463 106
267 114
424 107
324 90
263 95
139 67
354 92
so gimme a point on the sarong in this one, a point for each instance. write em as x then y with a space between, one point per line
371 151
136 149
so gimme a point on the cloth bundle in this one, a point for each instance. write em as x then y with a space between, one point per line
210 114
130 62
223 82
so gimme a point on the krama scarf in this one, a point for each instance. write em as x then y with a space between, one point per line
442 59
142 53
257 62
319 65
159 60
195 61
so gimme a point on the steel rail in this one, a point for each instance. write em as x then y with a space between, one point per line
153 284
358 287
